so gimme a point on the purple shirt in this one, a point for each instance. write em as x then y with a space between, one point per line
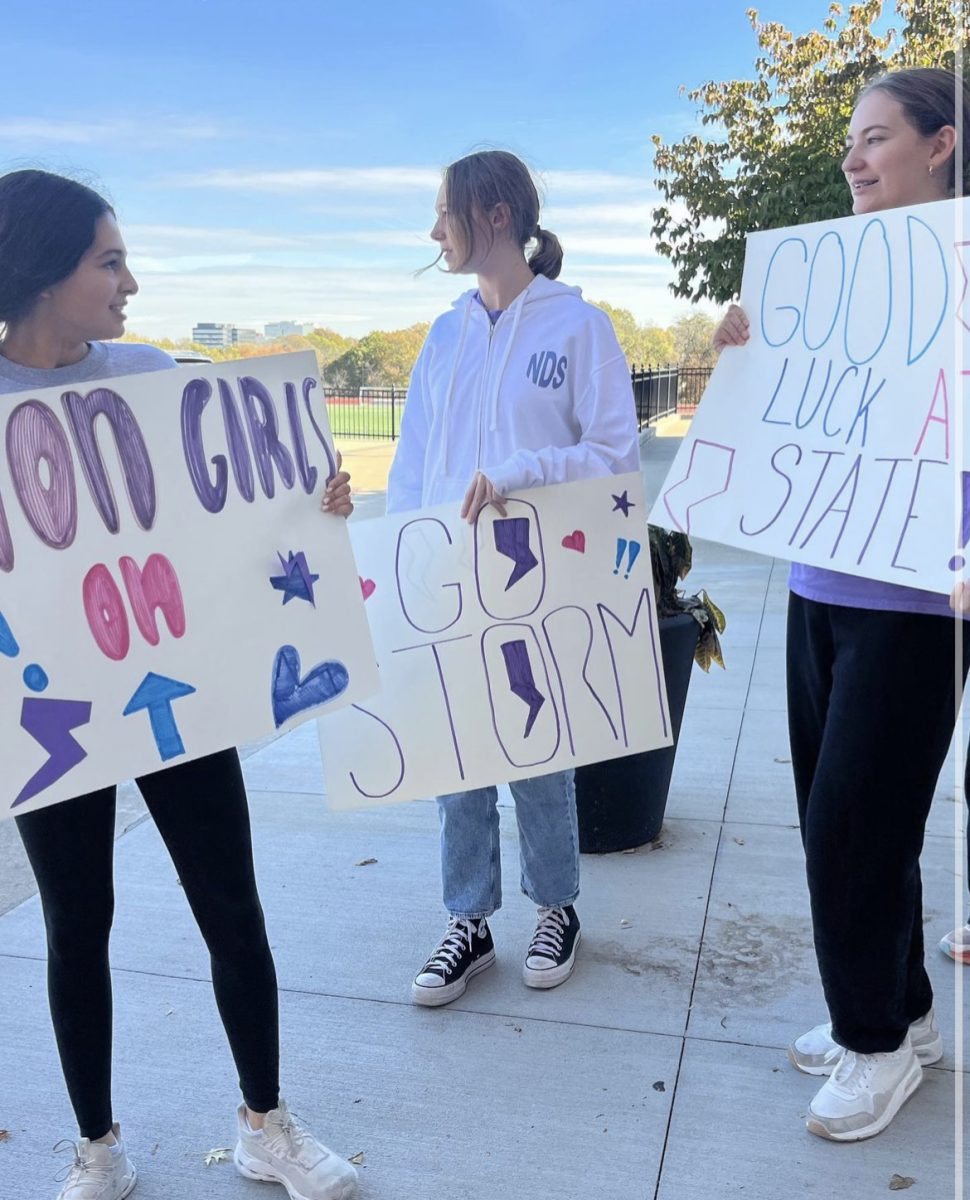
851 591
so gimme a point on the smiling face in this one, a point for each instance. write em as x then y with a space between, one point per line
89 305
887 162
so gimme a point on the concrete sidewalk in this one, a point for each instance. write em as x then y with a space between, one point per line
657 1073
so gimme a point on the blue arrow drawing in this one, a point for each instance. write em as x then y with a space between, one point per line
156 693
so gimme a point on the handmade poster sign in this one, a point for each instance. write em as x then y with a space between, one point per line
524 644
836 437
168 583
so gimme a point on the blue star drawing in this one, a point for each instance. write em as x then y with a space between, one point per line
296 581
623 503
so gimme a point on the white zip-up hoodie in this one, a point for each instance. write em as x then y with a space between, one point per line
542 396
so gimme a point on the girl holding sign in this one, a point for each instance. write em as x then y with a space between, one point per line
64 284
871 703
479 424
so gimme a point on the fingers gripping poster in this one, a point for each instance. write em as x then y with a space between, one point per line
524 644
168 584
836 436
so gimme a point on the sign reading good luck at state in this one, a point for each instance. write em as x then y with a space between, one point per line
831 438
523 644
168 584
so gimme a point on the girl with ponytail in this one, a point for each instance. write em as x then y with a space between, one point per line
521 384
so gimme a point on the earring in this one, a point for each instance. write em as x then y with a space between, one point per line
931 168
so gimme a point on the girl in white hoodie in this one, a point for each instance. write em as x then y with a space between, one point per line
521 384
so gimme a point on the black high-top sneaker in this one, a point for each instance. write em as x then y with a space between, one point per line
465 950
552 952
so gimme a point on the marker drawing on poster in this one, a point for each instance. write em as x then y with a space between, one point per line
521 645
830 439
168 584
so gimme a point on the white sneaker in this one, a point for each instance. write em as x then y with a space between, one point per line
956 945
864 1093
817 1052
284 1152
96 1173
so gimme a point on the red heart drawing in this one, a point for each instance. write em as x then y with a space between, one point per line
575 541
367 587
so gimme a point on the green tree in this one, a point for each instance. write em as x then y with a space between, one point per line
379 359
692 336
776 158
643 345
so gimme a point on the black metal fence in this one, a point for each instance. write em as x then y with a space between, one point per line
662 391
375 412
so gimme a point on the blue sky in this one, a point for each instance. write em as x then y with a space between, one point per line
272 162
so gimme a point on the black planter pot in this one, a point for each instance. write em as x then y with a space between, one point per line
621 802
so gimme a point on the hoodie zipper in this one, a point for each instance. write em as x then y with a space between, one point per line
481 395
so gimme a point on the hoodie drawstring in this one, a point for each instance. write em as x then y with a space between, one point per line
442 465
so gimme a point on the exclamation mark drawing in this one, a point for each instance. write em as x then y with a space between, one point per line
622 546
958 562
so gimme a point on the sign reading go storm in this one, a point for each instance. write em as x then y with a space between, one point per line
523 644
168 584
836 436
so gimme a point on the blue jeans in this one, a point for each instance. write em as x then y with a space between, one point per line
471 863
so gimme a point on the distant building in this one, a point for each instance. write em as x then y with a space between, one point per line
280 329
209 333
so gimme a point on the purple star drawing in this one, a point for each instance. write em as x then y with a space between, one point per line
623 503
296 580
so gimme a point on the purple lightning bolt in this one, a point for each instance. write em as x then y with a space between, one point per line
49 722
521 680
512 540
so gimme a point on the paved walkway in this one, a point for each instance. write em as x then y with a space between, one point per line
657 1073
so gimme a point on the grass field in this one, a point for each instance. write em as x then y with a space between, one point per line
365 420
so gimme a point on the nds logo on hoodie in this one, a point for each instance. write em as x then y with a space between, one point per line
546 368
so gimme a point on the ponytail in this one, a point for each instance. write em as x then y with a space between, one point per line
546 259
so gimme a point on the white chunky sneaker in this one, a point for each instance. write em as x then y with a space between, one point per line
956 945
817 1053
96 1173
864 1093
284 1152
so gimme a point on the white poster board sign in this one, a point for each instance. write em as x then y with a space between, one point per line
513 647
832 437
168 584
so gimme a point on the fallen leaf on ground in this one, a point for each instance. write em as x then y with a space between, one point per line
899 1183
660 1086
739 841
357 1159
782 760
154 1149
625 924
365 862
4 1135
218 1155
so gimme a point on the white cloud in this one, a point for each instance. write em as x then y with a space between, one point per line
366 180
147 132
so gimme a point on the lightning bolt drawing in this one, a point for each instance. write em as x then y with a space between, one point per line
49 723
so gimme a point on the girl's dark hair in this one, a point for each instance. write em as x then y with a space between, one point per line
47 222
929 97
474 185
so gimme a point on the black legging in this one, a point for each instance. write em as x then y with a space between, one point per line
201 812
871 705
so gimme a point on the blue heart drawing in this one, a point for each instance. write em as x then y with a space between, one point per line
291 694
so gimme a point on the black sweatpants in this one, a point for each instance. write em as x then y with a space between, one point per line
871 707
201 812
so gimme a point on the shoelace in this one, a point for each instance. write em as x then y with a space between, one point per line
551 926
852 1067
73 1172
460 933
